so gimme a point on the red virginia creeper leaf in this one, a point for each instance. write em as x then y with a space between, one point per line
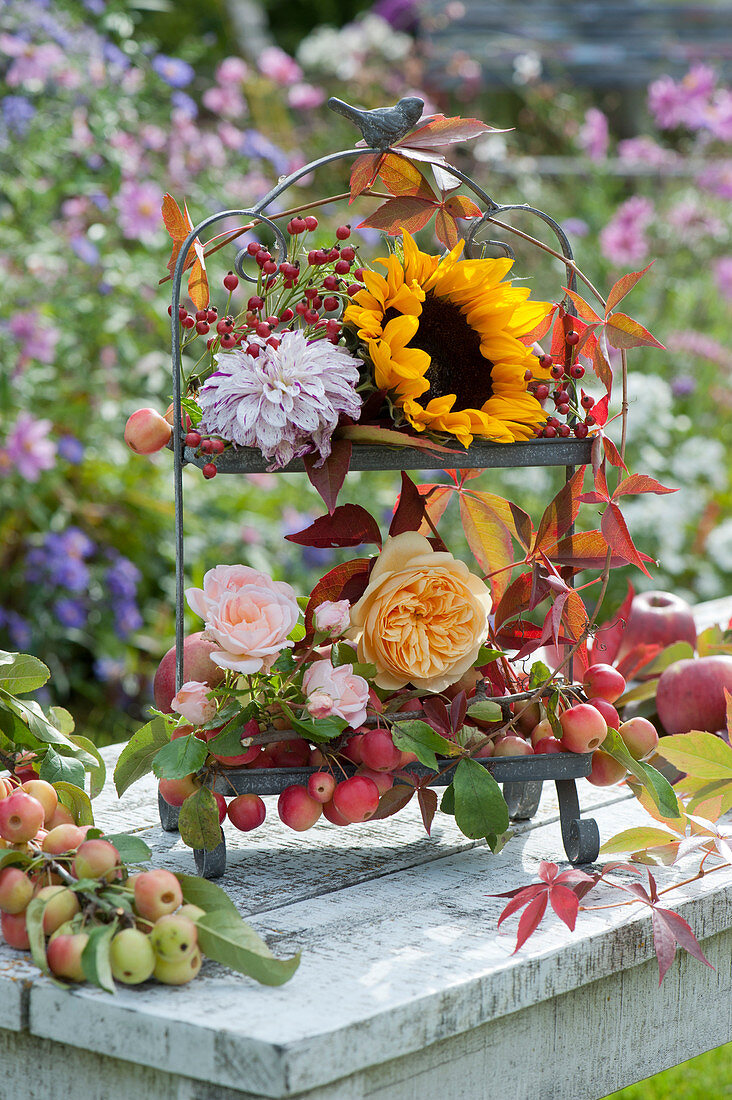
560 513
329 477
407 213
363 173
369 433
515 599
623 332
445 131
446 228
615 530
530 920
683 935
489 540
436 500
409 511
640 483
392 801
607 640
612 454
599 410
346 581
583 308
349 525
637 658
624 284
664 943
520 897
601 366
565 904
402 177
427 799
460 206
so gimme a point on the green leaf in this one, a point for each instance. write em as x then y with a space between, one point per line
132 849
63 721
40 726
34 928
343 654
699 754
419 738
180 758
137 756
635 840
97 775
319 729
20 673
659 788
229 741
539 675
486 711
61 769
486 656
677 651
95 957
638 694
8 858
447 805
480 808
227 939
76 801
198 821
206 895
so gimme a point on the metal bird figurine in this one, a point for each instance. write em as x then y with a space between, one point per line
383 126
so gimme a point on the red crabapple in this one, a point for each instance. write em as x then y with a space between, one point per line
176 791
332 814
63 838
157 893
512 746
21 816
605 770
15 933
604 681
246 812
583 728
45 793
64 956
131 957
640 737
96 859
61 816
290 754
547 744
147 431
607 710
16 890
383 780
321 786
379 752
220 805
298 809
541 731
357 798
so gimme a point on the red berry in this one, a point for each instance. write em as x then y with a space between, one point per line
253 350
342 267
557 371
564 430
550 431
253 248
226 324
545 361
316 302
330 282
563 408
246 812
528 376
263 330
286 315
207 446
321 786
201 314
332 325
210 343
542 392
273 342
209 470
348 253
310 316
589 419
255 303
298 225
182 312
358 274
228 341
576 370
343 232
311 222
329 304
217 446
212 314
272 321
587 401
580 430
353 289
572 338
188 322
192 439
220 804
553 421
357 798
202 327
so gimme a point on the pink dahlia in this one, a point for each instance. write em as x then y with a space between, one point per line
286 402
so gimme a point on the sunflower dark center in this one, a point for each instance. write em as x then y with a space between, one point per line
457 365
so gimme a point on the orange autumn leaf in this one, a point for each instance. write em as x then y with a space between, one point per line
179 225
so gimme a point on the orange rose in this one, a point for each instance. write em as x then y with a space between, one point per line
422 618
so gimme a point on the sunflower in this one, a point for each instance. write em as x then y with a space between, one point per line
444 337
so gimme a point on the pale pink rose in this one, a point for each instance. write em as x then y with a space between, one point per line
333 616
252 627
320 704
226 580
349 693
191 702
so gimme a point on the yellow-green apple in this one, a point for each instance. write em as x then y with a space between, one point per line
583 728
640 737
180 971
605 770
131 957
690 694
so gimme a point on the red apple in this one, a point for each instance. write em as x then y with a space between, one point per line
605 770
690 694
657 618
512 746
583 728
547 744
603 682
607 710
197 665
146 431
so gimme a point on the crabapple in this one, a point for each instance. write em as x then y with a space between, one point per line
131 957
352 748
547 744
61 905
607 710
251 729
298 809
640 737
356 799
583 728
193 912
220 805
21 816
176 791
246 812
290 754
16 890
45 793
316 758
485 751
333 815
197 665
64 956
61 816
147 431
541 731
407 758
512 746
173 937
157 893
378 751
605 770
63 838
15 933
178 972
383 780
321 786
96 859
529 717
604 681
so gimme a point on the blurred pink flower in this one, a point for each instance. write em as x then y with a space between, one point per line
336 691
623 240
594 136
717 178
279 66
139 209
644 150
224 101
33 68
232 70
683 103
699 344
37 339
305 97
723 276
28 448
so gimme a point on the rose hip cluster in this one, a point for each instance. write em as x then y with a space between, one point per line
156 934
564 395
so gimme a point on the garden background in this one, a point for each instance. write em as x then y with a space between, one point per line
106 106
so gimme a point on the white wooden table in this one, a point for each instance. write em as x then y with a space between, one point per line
406 991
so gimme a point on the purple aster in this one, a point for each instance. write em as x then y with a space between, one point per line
575 227
139 209
254 144
115 57
401 14
70 613
17 113
75 543
37 340
29 448
106 669
286 402
126 618
82 247
173 70
122 579
183 103
717 178
71 449
683 385
18 630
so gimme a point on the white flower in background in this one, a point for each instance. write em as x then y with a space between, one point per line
526 67
344 52
719 546
286 402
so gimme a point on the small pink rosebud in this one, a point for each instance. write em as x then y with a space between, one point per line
320 704
192 703
333 617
